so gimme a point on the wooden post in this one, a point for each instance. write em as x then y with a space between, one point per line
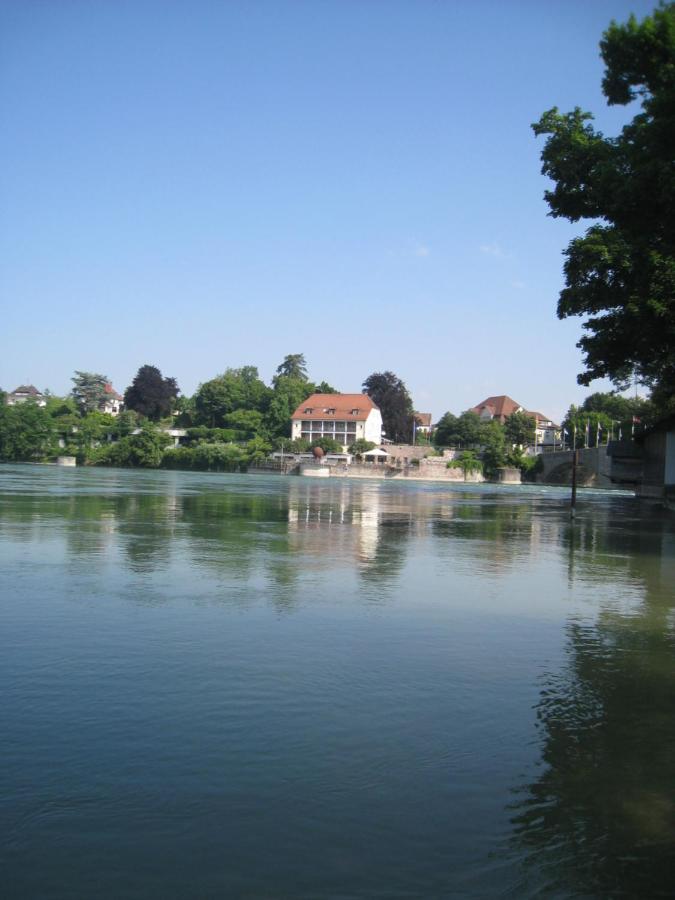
575 463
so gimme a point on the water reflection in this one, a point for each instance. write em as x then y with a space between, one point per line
390 648
358 529
599 820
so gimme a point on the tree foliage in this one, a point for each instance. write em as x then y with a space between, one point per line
324 388
458 431
145 449
391 395
467 461
288 394
519 428
89 391
234 390
621 273
293 366
361 446
328 445
494 447
621 409
150 394
27 433
586 428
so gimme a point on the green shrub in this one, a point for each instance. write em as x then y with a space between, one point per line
207 458
328 445
144 449
467 461
361 446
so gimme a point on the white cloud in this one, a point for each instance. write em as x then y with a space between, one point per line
422 250
495 249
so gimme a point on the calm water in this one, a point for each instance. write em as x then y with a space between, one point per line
224 686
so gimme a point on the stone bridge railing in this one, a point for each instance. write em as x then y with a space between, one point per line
618 464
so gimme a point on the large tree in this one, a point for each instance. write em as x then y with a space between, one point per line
150 394
458 431
621 273
89 390
289 392
235 389
293 366
27 432
391 395
520 429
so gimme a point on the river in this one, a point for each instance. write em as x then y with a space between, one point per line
233 686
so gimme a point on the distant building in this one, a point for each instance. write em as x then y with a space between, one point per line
113 404
500 407
26 392
344 417
422 422
548 433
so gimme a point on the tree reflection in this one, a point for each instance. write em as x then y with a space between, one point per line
508 526
600 819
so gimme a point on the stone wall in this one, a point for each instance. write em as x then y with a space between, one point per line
403 452
432 469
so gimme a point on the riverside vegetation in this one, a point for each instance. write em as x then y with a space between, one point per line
236 420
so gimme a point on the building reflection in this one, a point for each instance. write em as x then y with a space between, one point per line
349 528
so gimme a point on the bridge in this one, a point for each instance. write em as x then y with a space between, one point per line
617 464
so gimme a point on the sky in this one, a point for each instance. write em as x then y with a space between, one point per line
202 185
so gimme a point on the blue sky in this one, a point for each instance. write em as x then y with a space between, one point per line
199 185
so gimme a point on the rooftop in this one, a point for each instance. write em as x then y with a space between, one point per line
27 389
350 407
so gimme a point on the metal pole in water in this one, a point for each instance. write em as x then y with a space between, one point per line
575 463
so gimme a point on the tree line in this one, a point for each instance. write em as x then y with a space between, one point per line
232 420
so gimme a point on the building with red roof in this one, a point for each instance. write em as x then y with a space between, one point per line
344 417
500 407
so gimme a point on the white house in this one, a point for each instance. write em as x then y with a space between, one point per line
113 402
547 432
344 417
26 392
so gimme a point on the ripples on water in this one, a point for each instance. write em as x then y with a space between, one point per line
239 686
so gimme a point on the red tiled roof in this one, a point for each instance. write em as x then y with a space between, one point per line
423 419
27 389
539 417
109 389
500 407
350 407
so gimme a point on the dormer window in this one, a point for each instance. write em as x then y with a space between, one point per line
309 411
355 412
330 411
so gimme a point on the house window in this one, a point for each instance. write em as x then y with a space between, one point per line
309 411
355 412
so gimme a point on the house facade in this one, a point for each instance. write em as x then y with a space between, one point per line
344 417
547 433
113 403
422 422
500 407
26 392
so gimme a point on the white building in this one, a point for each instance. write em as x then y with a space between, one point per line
548 434
344 417
113 403
26 392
